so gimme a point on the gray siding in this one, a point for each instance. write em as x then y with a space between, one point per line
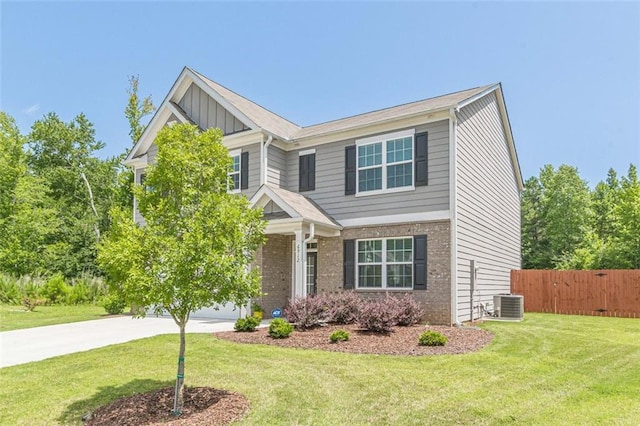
488 205
206 112
254 169
329 192
151 153
277 167
136 214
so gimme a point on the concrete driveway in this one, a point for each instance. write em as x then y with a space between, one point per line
35 344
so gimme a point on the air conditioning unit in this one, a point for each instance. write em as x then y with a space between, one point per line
508 306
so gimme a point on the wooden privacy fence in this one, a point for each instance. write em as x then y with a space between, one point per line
611 293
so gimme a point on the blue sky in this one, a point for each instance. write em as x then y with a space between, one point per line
570 71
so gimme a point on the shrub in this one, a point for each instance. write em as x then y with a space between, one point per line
339 336
405 310
343 307
376 316
249 323
55 289
114 304
432 338
10 292
78 294
280 328
308 312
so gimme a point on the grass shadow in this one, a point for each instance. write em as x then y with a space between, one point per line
73 413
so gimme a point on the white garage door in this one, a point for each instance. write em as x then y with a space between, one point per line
227 311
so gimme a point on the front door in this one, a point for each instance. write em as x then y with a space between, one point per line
312 272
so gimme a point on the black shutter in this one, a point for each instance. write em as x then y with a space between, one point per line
420 262
349 264
350 170
244 170
421 159
307 173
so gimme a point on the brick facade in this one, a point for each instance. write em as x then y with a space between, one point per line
275 259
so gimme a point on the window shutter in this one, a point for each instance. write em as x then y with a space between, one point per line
244 170
421 158
350 170
349 264
307 173
420 262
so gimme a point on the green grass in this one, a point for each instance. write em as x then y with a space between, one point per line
16 317
545 370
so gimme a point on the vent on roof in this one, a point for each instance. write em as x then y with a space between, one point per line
509 306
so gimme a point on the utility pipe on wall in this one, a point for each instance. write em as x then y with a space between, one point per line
265 160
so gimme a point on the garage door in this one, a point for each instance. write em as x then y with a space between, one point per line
227 311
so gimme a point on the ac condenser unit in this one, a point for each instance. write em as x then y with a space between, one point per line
509 306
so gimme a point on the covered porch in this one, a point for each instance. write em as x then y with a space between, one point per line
289 259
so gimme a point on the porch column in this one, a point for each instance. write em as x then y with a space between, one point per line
299 275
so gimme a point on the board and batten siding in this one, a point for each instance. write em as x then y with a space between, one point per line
487 206
206 112
277 167
329 192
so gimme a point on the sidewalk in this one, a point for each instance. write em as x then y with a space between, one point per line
35 344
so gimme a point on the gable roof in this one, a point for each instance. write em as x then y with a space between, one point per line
259 115
295 205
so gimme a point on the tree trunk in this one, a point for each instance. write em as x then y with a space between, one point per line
93 206
178 397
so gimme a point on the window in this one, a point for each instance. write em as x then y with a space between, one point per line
385 162
234 172
307 170
385 263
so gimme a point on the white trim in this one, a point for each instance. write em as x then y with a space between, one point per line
384 191
182 117
386 137
306 152
383 140
236 153
397 218
453 193
472 99
383 264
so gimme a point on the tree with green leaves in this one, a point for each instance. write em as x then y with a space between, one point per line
198 239
626 219
137 109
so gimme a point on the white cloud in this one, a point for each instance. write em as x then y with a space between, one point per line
32 109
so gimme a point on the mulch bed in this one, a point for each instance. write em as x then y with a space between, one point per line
202 406
401 341
209 406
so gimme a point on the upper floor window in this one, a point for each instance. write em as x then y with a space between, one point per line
307 170
385 162
235 171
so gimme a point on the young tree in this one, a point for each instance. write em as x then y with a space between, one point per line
137 109
198 239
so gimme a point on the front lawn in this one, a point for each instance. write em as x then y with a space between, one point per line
15 317
545 370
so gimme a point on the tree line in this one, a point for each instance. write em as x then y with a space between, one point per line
567 225
56 192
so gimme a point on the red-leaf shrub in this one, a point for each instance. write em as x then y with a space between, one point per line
308 312
344 307
377 316
405 309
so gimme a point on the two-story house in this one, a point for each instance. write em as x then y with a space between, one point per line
420 198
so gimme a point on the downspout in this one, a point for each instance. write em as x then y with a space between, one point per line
453 192
265 160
